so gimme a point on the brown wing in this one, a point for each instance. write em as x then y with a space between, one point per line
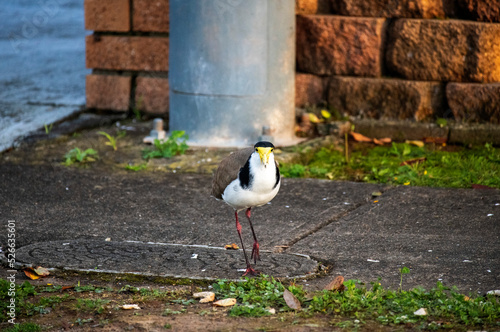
228 171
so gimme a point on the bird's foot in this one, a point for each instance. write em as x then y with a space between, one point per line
255 252
250 271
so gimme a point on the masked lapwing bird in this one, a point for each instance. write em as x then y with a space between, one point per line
246 179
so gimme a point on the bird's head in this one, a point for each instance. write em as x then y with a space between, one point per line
265 150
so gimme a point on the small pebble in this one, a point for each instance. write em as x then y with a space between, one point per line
420 312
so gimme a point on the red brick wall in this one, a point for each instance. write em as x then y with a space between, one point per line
387 59
128 53
405 59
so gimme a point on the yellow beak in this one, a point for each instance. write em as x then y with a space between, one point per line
264 154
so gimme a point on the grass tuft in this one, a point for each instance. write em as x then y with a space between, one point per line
172 146
402 164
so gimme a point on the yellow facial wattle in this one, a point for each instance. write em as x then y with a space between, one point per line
264 154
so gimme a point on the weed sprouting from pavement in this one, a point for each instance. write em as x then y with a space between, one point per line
80 156
136 168
402 271
112 140
48 128
174 145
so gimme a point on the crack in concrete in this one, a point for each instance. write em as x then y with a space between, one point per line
333 219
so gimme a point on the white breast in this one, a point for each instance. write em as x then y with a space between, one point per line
262 189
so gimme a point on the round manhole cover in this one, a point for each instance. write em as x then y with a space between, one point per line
160 259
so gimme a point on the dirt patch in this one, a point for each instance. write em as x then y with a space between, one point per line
77 311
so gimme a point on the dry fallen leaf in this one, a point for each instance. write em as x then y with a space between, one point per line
31 274
336 284
66 288
232 246
360 138
225 303
36 273
325 114
481 187
130 306
413 161
206 296
416 143
382 141
314 118
291 300
437 140
41 271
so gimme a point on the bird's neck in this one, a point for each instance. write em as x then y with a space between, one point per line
264 176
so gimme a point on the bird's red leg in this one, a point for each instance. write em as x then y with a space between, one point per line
249 270
255 250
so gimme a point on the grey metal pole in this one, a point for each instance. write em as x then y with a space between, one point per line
232 70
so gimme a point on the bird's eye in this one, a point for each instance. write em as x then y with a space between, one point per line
272 150
256 150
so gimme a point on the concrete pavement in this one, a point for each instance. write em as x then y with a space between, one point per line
446 235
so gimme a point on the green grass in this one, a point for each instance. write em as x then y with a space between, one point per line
429 165
137 109
360 303
91 305
48 128
43 304
172 146
112 139
24 327
136 168
21 294
397 307
255 295
79 156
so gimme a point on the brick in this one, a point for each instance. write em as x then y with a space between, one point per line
474 102
480 10
438 50
127 53
151 94
307 7
109 92
328 44
151 16
309 90
383 98
108 15
391 8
